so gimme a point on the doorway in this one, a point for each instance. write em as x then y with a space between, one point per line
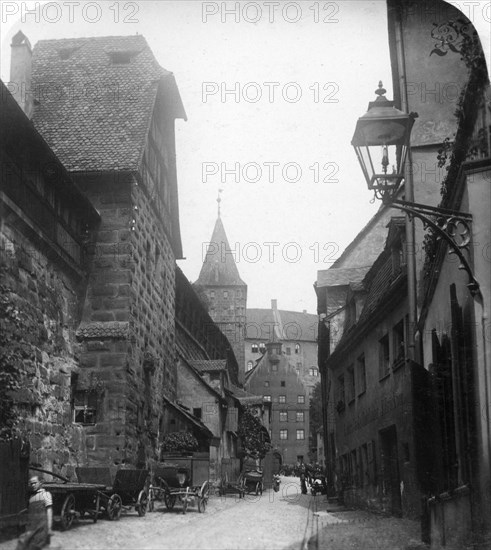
390 469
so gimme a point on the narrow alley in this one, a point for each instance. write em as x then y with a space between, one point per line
285 520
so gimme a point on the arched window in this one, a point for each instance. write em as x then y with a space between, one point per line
297 348
254 348
249 366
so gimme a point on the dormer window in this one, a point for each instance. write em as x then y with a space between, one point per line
66 53
121 58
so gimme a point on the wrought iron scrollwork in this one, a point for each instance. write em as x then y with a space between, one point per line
451 36
451 226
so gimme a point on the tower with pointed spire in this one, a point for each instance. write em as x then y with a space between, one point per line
225 291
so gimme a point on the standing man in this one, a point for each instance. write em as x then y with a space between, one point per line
303 475
40 518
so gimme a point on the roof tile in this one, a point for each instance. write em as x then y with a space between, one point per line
86 99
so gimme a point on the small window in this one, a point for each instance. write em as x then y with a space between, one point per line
283 434
266 383
407 455
300 416
300 434
281 398
283 416
399 345
340 390
298 367
254 348
267 398
262 348
249 365
212 294
288 351
85 407
361 374
282 383
197 413
384 356
274 367
350 384
297 349
300 398
314 371
225 293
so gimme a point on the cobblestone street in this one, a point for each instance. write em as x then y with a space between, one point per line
285 520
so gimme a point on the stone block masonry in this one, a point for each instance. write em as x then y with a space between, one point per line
128 330
39 301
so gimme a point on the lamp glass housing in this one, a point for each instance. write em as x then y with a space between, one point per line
381 142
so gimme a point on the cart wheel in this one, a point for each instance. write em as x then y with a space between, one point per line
203 497
114 507
141 503
67 512
202 504
169 501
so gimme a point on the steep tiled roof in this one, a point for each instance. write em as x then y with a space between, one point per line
93 112
292 325
219 267
99 329
209 366
190 417
341 276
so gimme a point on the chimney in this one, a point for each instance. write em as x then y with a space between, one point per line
21 72
274 304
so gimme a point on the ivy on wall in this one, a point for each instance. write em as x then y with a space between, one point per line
457 36
12 352
252 433
179 442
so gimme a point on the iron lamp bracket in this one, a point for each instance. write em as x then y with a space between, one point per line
452 226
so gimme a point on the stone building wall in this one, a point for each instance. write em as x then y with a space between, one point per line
228 310
128 326
44 294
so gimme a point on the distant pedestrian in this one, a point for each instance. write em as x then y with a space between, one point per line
303 476
39 518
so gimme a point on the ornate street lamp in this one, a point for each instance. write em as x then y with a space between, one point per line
381 142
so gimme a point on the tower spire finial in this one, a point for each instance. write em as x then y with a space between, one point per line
219 200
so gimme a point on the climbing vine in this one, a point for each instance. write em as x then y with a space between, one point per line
252 433
12 351
180 442
457 36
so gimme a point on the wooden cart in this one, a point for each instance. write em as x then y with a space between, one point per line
70 499
173 483
252 482
126 492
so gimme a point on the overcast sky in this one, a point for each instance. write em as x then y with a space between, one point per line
272 93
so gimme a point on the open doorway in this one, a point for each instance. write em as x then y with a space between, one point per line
390 469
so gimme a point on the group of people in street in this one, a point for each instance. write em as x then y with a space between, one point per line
308 473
